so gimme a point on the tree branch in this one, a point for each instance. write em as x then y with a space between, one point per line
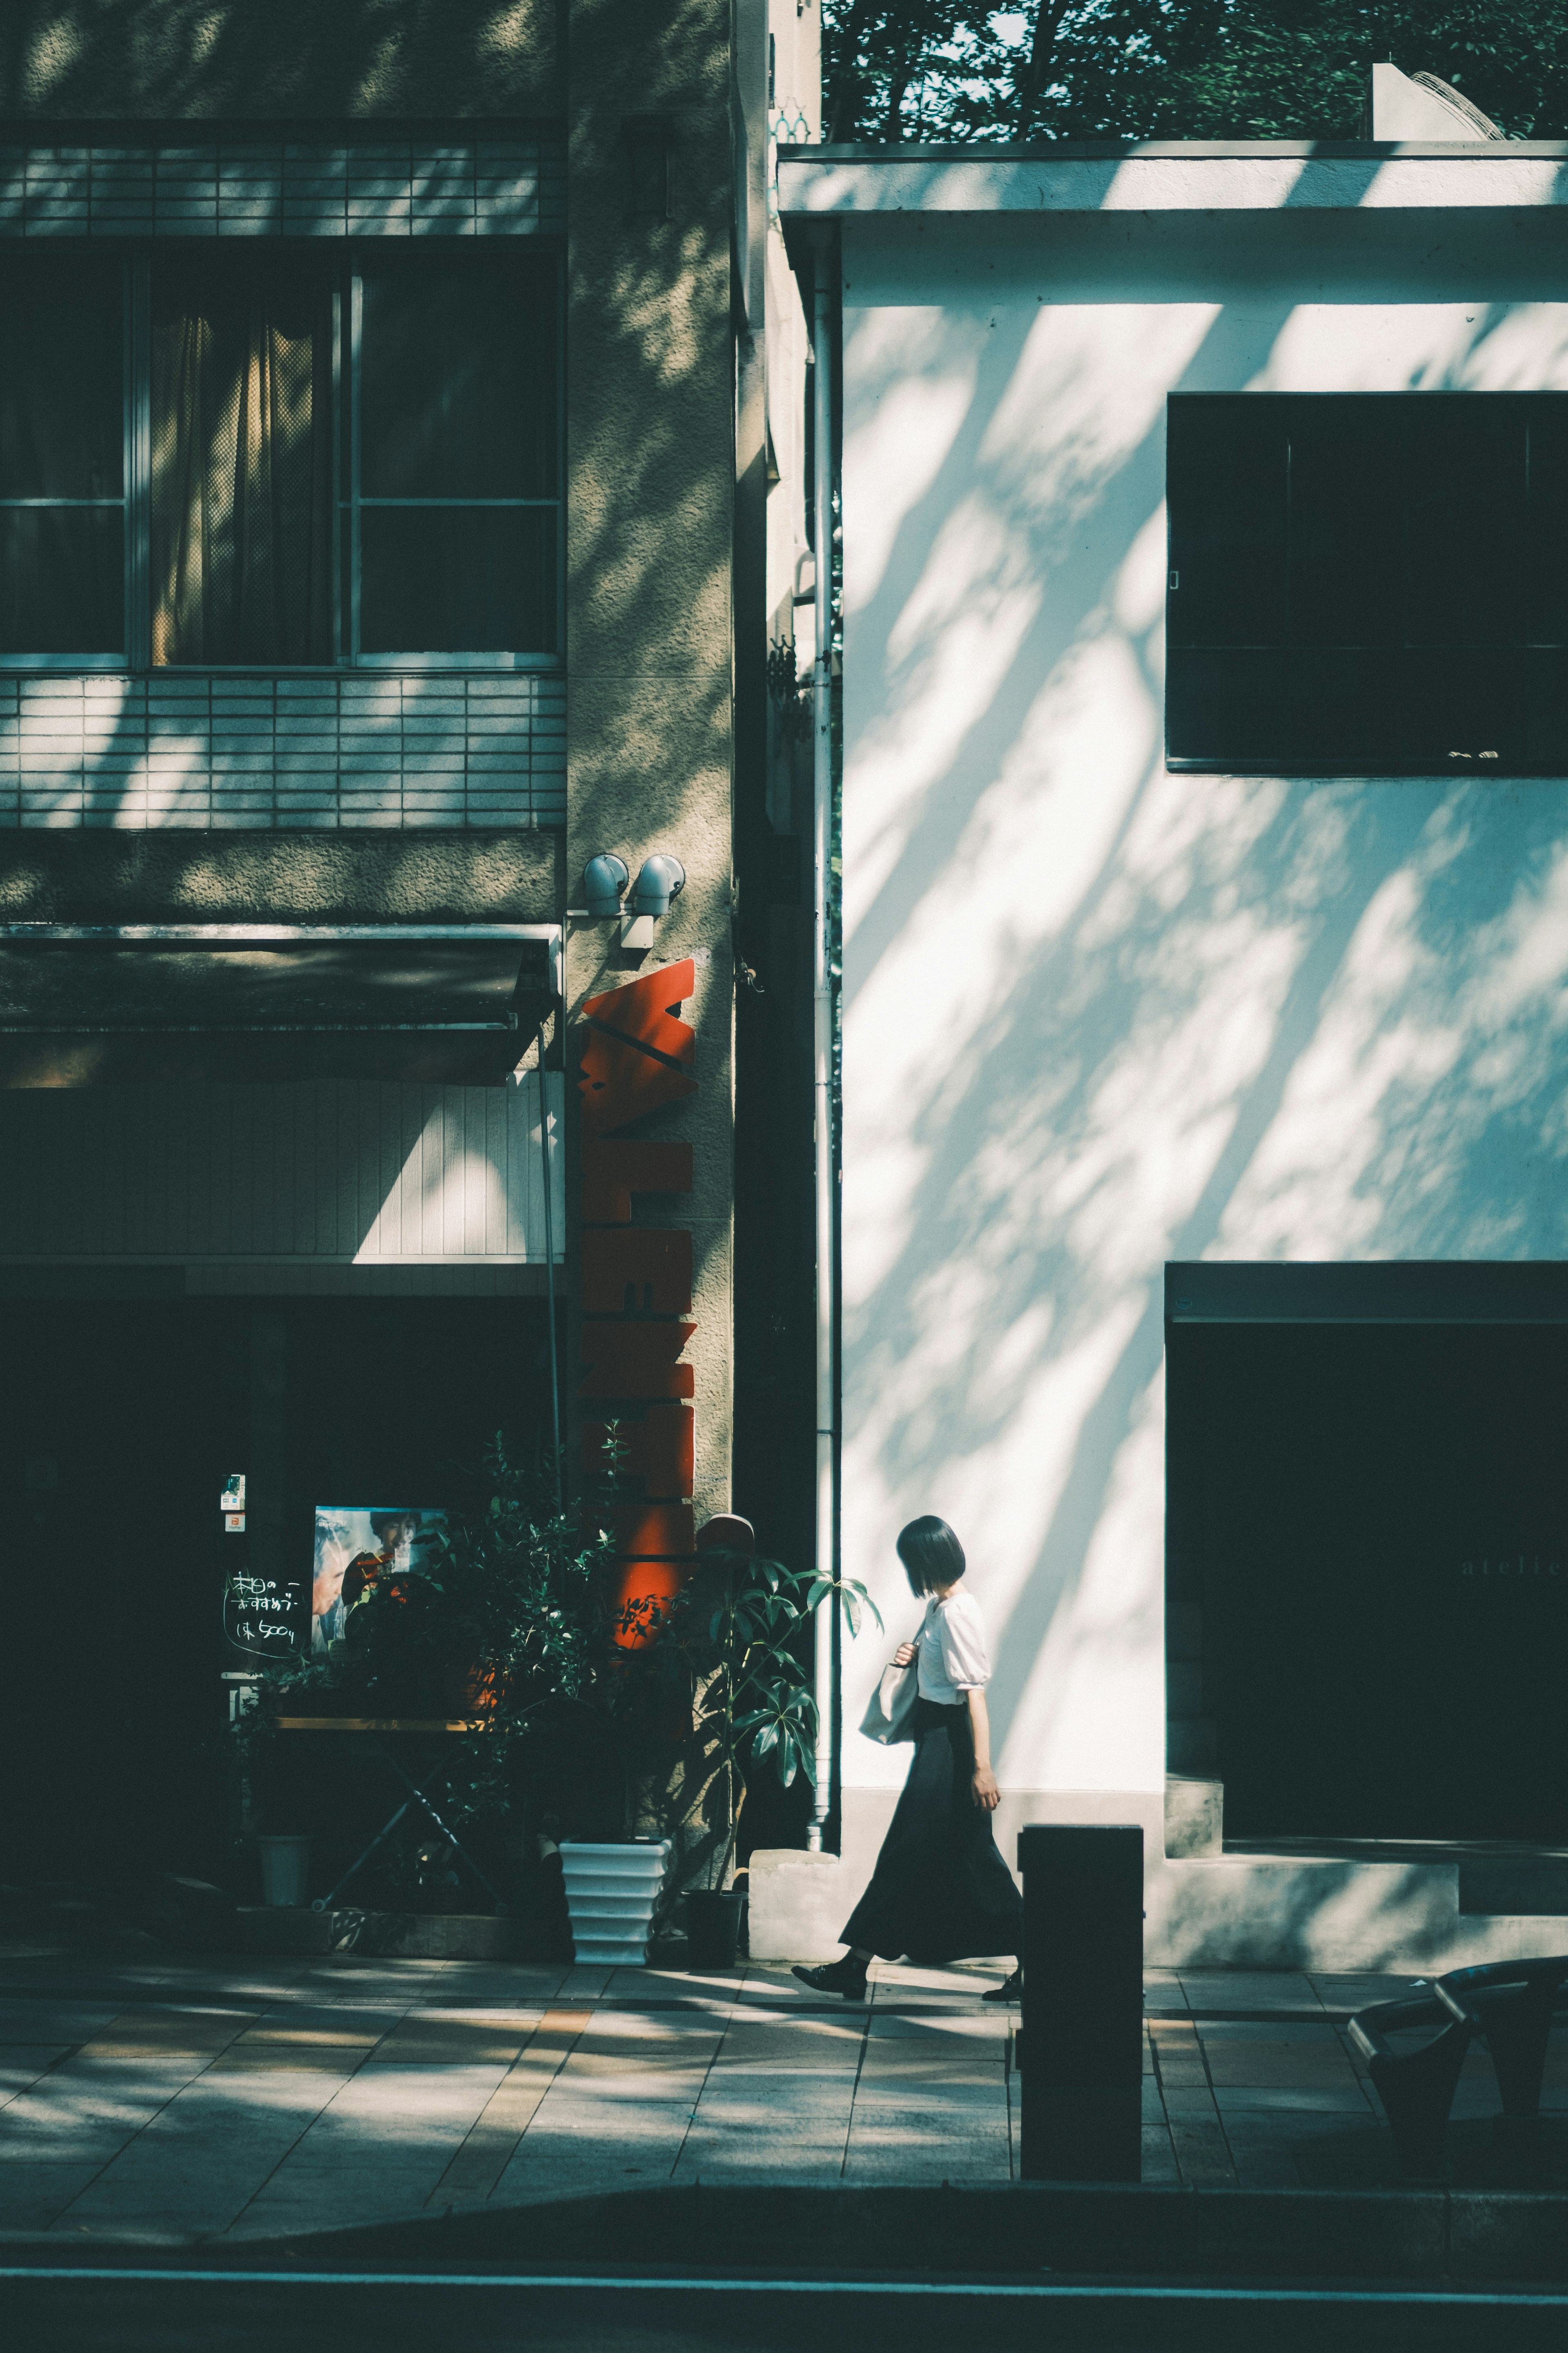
1049 18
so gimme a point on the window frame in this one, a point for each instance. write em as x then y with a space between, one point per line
83 665
1368 761
347 504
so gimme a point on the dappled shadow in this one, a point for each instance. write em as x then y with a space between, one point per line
198 58
650 392
1097 1016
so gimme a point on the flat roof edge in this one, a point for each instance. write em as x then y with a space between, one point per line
1194 151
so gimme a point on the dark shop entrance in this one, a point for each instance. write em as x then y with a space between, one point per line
1368 1575
120 1419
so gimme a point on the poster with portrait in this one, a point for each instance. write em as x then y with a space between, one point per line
358 1545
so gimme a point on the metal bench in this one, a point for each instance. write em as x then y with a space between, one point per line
1510 2003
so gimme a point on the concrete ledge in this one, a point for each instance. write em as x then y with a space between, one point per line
1195 1816
1206 1909
797 1905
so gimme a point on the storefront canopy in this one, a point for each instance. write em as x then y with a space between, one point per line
86 1004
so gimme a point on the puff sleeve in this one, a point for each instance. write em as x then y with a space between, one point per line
966 1662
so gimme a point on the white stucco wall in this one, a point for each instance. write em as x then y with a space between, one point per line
1096 1015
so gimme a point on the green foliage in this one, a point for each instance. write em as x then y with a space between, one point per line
936 70
505 1623
734 1630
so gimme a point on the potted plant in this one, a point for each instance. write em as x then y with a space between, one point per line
504 1624
738 1624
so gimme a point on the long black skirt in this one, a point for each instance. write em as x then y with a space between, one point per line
939 1891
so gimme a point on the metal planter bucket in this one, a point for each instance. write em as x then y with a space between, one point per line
285 1871
712 1929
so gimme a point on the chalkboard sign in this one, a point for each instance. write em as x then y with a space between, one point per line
262 1615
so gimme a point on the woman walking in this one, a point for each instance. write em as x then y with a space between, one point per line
939 1891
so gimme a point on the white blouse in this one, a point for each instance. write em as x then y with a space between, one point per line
950 1649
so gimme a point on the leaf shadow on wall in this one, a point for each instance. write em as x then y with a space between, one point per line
1159 1017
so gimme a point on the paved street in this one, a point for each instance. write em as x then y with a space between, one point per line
80 2314
173 2097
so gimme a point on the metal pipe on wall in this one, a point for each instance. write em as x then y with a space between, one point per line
822 1023
550 1277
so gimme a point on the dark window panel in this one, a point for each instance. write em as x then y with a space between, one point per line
458 580
1230 709
1427 548
1346 525
345 579
1345 708
241 460
62 376
458 392
1543 713
1544 617
1227 482
1460 711
62 580
1465 459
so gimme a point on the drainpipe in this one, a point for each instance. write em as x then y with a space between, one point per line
549 1310
821 1024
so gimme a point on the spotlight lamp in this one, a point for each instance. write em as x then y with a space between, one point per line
663 878
603 880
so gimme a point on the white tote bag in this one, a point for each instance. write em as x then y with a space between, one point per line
886 1719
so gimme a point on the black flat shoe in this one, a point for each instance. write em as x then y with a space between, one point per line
1009 1992
846 1977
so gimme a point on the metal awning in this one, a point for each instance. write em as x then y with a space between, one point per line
82 1004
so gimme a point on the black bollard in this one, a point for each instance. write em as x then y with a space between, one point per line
1082 2036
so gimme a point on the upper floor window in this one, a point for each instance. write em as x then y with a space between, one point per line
233 457
1371 584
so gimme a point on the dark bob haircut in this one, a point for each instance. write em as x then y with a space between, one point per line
931 1553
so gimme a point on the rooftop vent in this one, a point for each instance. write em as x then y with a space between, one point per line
1482 124
1420 108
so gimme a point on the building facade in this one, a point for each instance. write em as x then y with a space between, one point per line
389 449
1205 826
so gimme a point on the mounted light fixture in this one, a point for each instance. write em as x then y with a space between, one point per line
662 879
603 880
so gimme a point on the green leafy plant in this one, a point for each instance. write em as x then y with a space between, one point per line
944 69
754 1705
507 1624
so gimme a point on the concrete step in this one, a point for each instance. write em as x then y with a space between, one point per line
1497 1877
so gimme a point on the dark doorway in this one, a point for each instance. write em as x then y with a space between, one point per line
1373 1522
119 1421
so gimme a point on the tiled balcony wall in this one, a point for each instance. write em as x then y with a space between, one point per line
512 185
249 751
238 751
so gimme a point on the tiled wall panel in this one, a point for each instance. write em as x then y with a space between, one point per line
445 749
512 185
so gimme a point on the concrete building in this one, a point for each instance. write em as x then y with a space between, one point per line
391 445
1204 844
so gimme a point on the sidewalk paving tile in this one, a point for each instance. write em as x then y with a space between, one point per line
1203 2153
25 2024
21 2064
421 2039
1360 1989
1302 2100
32 2196
213 2095
1249 1990
1196 2101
